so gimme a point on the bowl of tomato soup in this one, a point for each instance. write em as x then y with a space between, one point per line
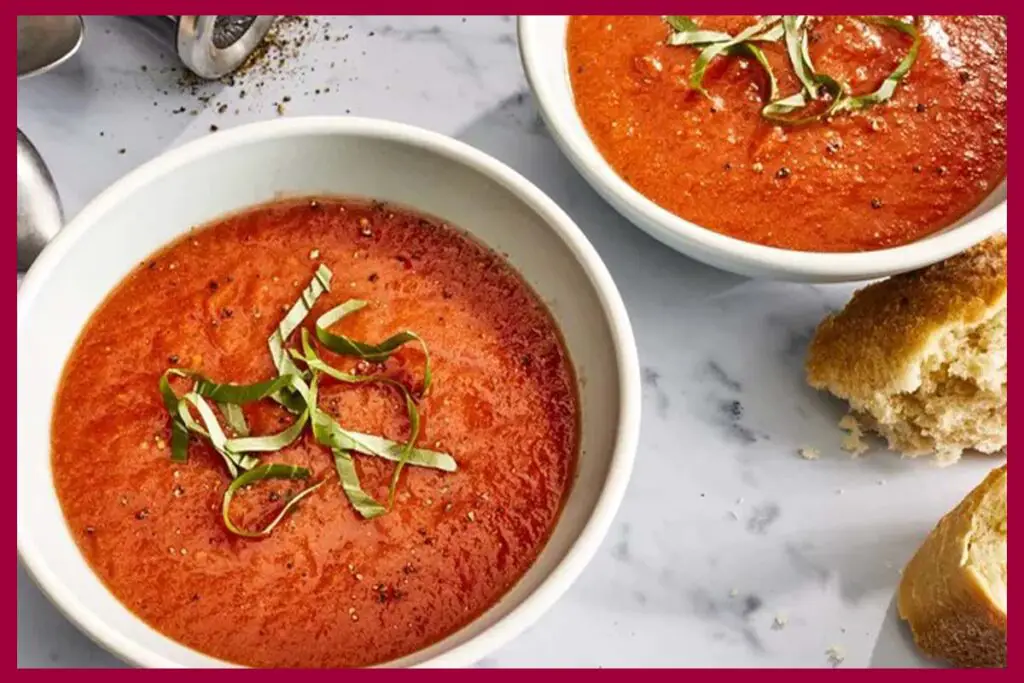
318 392
802 148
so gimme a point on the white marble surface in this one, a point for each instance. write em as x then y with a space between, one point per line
724 527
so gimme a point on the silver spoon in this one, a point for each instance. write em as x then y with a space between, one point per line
44 42
40 215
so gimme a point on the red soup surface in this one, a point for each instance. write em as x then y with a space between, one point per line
326 588
863 180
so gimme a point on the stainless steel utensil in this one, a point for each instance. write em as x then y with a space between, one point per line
45 42
40 215
210 46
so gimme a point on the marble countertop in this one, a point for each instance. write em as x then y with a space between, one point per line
730 549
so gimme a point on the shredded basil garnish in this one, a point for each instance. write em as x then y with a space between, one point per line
814 86
274 471
290 388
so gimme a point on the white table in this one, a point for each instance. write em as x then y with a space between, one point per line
724 528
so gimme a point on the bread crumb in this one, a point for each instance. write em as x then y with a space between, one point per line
835 655
808 453
779 622
853 440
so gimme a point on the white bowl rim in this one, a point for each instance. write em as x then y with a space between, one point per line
828 266
580 552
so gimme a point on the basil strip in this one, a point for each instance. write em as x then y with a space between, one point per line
320 283
414 433
363 502
370 352
369 444
179 432
715 49
235 418
330 434
274 471
796 47
885 91
269 443
211 429
246 393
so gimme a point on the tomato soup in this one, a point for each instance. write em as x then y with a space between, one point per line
863 179
328 586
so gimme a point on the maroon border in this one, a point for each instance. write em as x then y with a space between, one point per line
8 350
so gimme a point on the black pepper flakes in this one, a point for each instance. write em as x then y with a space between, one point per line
373 277
942 170
727 166
782 173
921 107
917 168
173 359
122 150
876 203
142 514
213 286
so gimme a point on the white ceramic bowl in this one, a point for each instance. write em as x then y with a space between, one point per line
542 48
233 169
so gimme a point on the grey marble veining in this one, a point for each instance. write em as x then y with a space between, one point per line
730 549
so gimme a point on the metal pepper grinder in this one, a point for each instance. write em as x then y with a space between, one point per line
210 46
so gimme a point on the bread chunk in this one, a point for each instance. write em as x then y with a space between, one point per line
953 592
921 357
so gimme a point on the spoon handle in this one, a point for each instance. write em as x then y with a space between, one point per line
40 215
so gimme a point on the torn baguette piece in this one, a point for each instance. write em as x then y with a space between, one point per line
921 357
953 591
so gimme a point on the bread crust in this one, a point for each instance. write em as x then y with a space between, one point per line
953 611
871 345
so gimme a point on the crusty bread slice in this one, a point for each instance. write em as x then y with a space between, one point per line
953 592
921 357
